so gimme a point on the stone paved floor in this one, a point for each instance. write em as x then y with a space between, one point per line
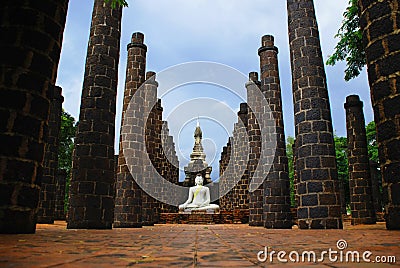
188 246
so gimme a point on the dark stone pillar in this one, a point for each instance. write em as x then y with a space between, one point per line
295 177
376 183
128 200
240 193
60 180
31 34
277 213
169 164
379 23
318 186
91 202
50 165
227 159
256 198
149 204
362 209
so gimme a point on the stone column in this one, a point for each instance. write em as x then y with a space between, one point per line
318 186
91 202
31 34
295 178
379 23
376 182
50 165
170 165
277 213
256 198
60 180
128 200
362 209
149 203
240 193
225 201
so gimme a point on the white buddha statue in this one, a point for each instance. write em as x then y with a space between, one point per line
199 198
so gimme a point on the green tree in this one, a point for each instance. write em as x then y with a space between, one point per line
350 47
342 165
67 135
289 154
371 141
115 3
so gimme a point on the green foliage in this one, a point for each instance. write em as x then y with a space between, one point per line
115 3
371 141
342 165
349 47
67 135
289 154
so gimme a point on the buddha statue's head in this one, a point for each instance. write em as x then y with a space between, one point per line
198 180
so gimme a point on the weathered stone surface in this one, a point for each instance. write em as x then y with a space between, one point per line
50 165
379 23
376 184
168 163
277 214
92 181
128 199
31 34
313 124
225 200
362 209
60 180
256 109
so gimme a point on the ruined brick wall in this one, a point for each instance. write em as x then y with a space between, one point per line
50 165
379 23
92 178
362 209
30 40
128 199
318 185
277 213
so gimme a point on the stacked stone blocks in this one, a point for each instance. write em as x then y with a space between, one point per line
379 23
277 214
28 71
50 166
318 186
92 178
128 200
362 208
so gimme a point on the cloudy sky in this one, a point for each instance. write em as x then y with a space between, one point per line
226 32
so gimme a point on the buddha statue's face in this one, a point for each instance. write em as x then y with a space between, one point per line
198 180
